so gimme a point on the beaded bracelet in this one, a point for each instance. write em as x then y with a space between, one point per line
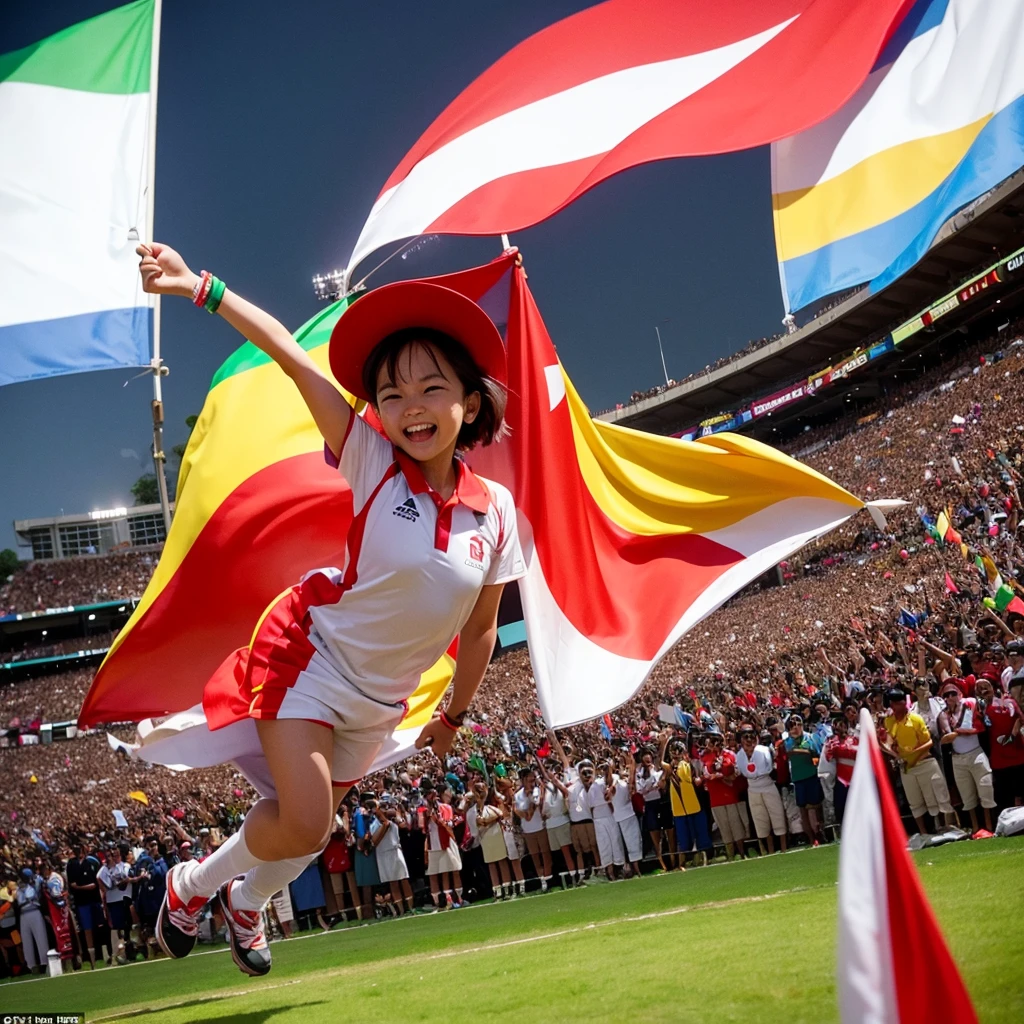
217 290
201 291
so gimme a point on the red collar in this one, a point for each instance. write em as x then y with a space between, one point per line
469 489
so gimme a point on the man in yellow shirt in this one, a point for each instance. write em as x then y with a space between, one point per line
691 822
909 743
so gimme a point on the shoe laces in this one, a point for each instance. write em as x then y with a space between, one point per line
186 920
249 928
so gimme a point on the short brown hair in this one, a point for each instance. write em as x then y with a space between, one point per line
489 424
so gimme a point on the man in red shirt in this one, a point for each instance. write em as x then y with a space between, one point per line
1003 723
720 778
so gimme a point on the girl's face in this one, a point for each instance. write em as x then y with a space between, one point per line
422 410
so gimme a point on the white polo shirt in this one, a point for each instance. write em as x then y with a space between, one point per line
579 806
599 807
523 804
556 812
622 804
414 566
756 769
648 787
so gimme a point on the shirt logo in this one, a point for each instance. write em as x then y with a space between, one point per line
407 510
476 552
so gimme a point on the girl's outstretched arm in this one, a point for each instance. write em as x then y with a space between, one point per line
164 272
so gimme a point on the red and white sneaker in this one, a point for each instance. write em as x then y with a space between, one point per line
177 924
249 948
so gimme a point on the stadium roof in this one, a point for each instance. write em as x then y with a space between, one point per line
967 242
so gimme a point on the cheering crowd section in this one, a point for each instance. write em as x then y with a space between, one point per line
862 615
75 581
92 642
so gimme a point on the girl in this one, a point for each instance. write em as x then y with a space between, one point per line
333 661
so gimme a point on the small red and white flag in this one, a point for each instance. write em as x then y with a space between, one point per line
620 84
894 966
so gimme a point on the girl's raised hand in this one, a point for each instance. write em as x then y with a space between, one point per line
163 270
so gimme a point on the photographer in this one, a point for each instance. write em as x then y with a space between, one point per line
391 864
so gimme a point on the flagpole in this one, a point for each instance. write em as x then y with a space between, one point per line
156 363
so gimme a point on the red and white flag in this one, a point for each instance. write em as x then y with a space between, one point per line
894 966
621 84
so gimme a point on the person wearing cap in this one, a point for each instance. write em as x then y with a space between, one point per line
908 741
327 675
1004 724
804 750
578 780
960 724
754 763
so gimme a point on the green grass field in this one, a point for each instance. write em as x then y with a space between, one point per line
739 942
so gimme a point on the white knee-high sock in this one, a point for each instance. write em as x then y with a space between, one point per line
231 859
262 881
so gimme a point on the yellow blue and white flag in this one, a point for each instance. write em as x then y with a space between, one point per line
939 121
74 131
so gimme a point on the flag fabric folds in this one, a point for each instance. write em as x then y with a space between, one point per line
888 935
630 539
938 122
620 84
74 119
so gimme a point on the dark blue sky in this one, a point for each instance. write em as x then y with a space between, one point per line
308 107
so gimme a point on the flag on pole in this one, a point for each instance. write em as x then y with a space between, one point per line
608 517
888 935
620 84
75 121
938 122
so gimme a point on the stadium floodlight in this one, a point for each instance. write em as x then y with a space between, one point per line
329 287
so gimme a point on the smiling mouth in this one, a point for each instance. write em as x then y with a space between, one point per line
420 432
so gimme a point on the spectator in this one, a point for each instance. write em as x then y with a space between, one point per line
648 786
690 822
803 750
909 742
85 890
841 750
719 767
555 811
526 804
609 839
29 901
391 864
1003 723
960 726
619 793
754 763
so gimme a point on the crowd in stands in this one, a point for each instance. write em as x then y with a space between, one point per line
92 642
741 743
49 698
58 583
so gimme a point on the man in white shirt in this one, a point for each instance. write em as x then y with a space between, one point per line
619 793
960 725
754 763
555 811
609 838
526 804
581 822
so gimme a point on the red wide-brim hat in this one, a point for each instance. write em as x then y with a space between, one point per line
405 304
